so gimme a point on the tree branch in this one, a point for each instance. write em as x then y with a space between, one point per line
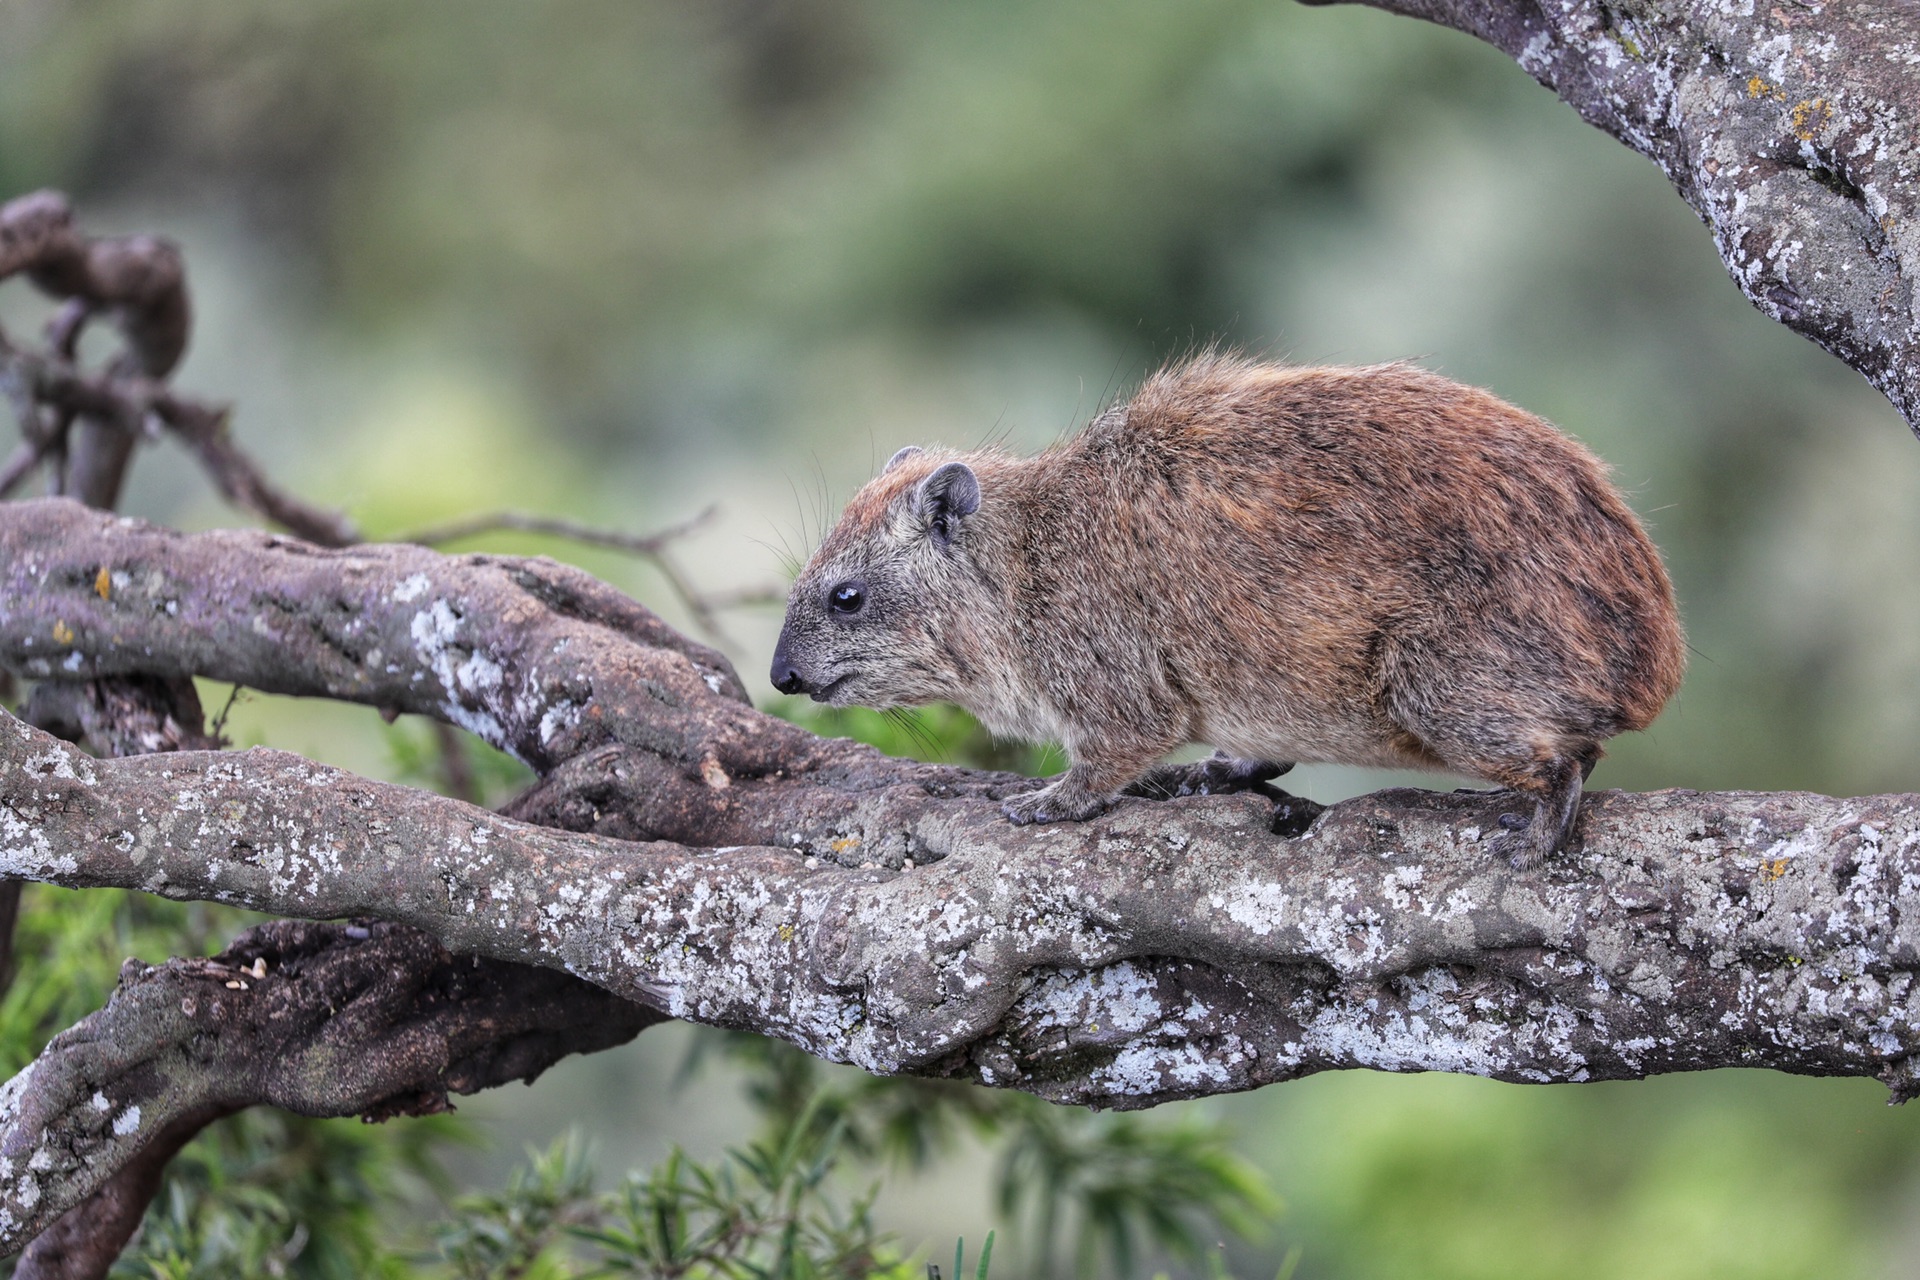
652 547
1790 128
880 911
369 1019
135 405
1167 950
140 279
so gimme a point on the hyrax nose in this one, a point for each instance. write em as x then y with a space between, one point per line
785 678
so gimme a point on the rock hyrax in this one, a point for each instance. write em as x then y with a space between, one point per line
1372 566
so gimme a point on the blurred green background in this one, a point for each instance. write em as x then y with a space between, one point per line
620 260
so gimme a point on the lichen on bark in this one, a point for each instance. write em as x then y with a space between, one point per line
698 859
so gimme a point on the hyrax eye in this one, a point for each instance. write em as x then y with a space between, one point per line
848 597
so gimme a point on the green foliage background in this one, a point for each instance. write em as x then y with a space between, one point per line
621 258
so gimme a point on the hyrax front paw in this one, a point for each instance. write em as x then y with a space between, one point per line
1061 802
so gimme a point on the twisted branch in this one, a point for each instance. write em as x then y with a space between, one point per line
1789 128
83 427
370 1019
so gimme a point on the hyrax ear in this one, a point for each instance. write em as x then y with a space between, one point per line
947 497
901 457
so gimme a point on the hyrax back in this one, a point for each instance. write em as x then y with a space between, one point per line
1367 566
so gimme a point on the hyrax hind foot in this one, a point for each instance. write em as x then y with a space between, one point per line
1527 839
1218 775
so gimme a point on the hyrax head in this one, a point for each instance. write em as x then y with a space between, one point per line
876 618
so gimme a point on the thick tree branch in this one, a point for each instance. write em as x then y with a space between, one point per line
371 1019
654 731
872 910
84 1242
1166 950
1789 127
83 426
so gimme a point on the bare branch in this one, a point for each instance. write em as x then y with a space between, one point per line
388 626
711 862
1790 128
648 544
1167 950
242 482
701 606
367 1019
137 406
881 911
141 282
140 279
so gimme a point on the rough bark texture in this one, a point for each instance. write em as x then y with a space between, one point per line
879 911
83 1242
371 1019
1788 126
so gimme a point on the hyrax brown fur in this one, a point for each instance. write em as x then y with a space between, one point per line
1372 566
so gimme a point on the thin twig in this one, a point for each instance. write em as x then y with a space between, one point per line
745 597
702 608
132 404
455 769
39 442
242 482
648 544
9 913
697 605
218 728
